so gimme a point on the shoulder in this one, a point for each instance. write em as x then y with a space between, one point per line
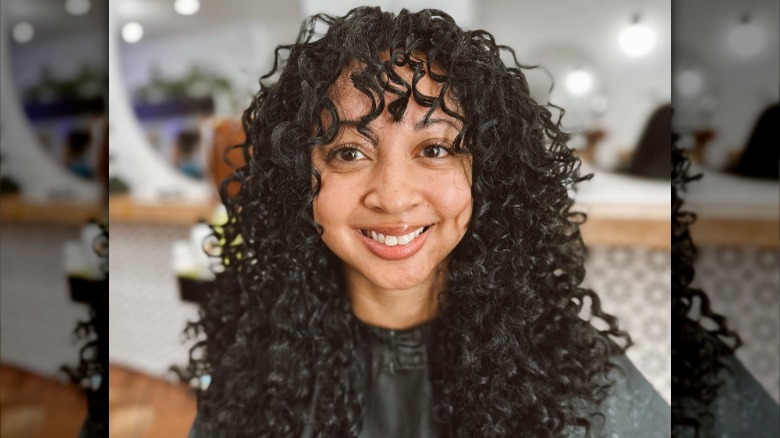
742 406
632 407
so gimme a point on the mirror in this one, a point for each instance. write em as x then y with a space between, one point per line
185 73
58 67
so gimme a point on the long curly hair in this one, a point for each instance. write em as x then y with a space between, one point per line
697 350
515 353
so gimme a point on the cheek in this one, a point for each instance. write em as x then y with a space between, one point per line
326 214
453 200
323 210
462 212
333 203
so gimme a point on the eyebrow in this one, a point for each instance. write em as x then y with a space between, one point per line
422 124
419 126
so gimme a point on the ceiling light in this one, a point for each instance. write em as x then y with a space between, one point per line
187 7
132 32
23 32
747 39
77 7
579 82
637 39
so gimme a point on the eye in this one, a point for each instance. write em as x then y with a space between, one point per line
435 151
346 153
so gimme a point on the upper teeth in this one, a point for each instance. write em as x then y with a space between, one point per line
395 240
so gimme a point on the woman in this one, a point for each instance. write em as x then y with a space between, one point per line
407 264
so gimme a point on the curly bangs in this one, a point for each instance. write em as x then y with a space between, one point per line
513 354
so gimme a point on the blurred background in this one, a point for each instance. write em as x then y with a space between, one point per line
726 68
182 71
53 240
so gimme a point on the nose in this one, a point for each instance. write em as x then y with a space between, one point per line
394 187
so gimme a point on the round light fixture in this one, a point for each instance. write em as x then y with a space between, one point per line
132 32
23 32
186 7
579 82
747 39
77 7
637 40
689 82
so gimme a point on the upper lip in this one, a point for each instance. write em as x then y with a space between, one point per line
394 230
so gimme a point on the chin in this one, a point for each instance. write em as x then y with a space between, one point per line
392 281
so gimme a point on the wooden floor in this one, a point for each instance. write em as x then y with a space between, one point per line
34 406
146 407
140 406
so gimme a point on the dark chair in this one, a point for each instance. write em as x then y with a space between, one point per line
761 156
652 157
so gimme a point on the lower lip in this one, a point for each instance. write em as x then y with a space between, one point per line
397 252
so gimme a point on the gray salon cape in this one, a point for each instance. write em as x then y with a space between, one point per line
399 395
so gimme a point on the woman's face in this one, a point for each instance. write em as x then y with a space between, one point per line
392 210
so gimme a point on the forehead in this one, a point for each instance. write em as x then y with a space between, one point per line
352 103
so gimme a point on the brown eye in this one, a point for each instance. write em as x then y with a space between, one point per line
435 151
347 154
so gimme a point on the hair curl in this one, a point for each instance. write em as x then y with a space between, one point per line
512 355
697 351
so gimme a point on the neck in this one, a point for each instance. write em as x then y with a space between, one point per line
395 309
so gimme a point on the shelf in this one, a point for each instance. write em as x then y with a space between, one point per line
733 210
736 231
124 209
13 209
624 232
626 225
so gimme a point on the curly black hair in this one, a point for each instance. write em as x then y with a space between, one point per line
93 355
697 351
513 354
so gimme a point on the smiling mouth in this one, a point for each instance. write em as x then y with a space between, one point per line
389 240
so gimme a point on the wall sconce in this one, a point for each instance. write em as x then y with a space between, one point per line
187 7
132 32
77 7
23 32
579 82
637 39
747 38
